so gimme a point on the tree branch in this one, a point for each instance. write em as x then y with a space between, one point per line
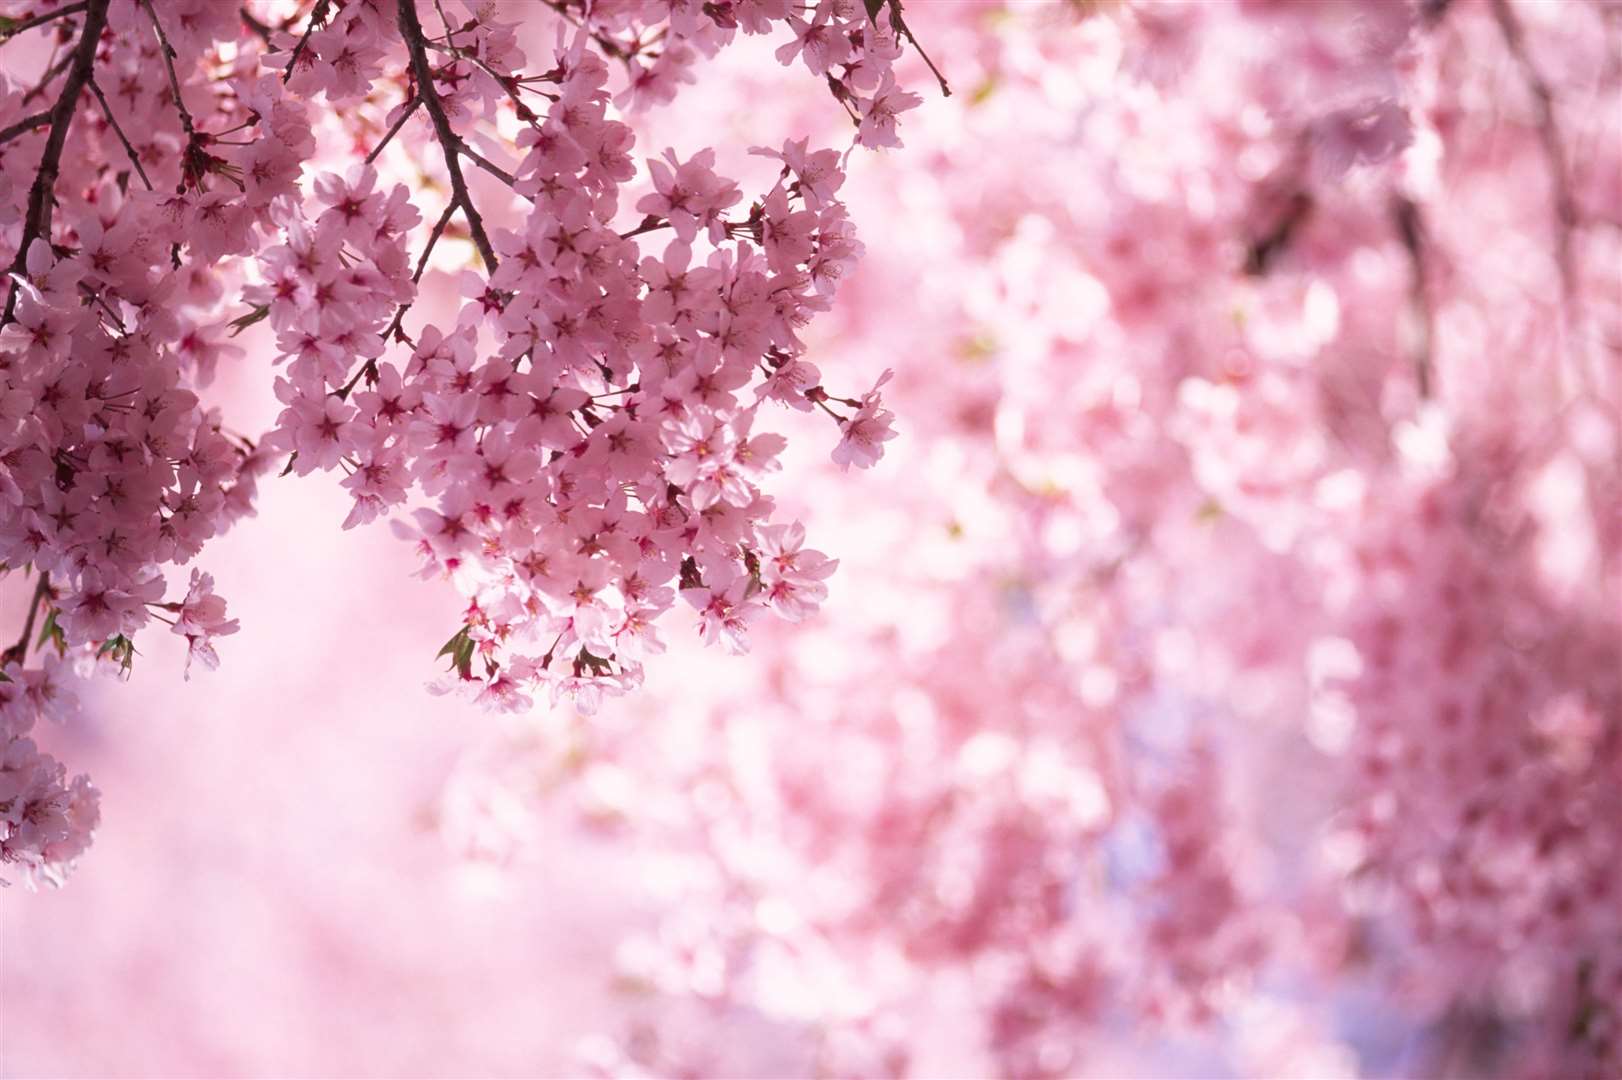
41 20
37 221
1565 204
411 107
169 54
107 111
19 651
25 125
318 17
1411 228
450 143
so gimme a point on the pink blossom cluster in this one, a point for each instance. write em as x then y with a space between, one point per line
580 436
45 819
1235 634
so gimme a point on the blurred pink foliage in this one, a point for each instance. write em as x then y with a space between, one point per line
1222 669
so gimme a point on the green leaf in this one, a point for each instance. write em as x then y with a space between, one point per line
120 648
52 633
460 649
258 314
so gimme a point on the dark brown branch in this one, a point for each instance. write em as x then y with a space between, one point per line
369 369
260 30
411 107
1261 254
107 111
649 224
604 42
487 165
25 125
903 31
318 18
1411 228
433 238
449 142
37 220
1548 124
508 83
41 20
169 55
57 67
19 651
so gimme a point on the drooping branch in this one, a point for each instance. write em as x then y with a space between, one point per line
19 650
1411 228
37 219
253 23
318 18
1554 147
169 54
450 143
112 121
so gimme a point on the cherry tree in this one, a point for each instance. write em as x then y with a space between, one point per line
1229 639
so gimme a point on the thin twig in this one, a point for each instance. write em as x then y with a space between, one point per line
604 42
169 55
19 651
411 107
1411 228
57 67
369 368
506 82
1565 204
450 143
260 30
41 20
433 238
107 110
37 220
649 224
25 125
487 165
318 17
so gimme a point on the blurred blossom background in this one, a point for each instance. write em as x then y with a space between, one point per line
1220 678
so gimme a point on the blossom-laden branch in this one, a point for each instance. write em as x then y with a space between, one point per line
37 217
629 376
451 143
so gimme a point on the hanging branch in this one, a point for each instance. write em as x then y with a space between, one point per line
19 651
107 111
1411 228
1548 125
318 18
450 143
260 29
37 220
169 55
902 31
